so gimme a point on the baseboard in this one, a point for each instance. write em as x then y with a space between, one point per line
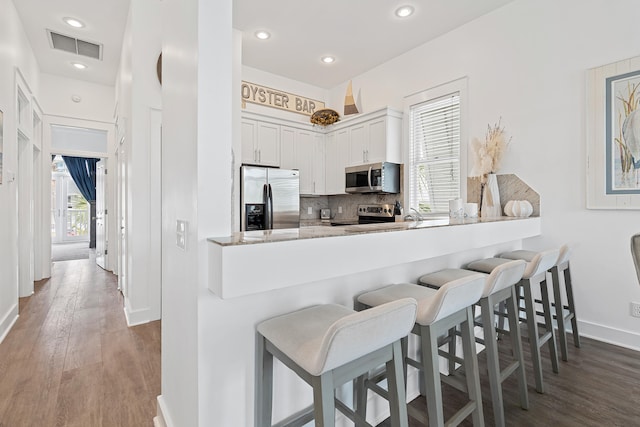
8 321
138 317
619 337
162 419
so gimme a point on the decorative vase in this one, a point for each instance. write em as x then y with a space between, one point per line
490 207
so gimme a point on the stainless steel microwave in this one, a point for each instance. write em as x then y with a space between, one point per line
373 178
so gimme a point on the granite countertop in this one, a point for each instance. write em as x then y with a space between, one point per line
323 231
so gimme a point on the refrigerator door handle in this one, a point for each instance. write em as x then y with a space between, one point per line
265 199
270 212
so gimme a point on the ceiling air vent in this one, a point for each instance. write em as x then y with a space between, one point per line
73 45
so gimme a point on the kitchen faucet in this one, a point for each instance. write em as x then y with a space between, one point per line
414 217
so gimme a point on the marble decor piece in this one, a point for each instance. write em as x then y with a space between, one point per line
510 187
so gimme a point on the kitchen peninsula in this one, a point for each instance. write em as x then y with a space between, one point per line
309 254
257 275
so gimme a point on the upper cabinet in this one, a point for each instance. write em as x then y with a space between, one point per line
322 154
375 137
336 159
260 143
311 162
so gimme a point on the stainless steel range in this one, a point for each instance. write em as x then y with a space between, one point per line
372 214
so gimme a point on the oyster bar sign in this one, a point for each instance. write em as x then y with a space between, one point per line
274 98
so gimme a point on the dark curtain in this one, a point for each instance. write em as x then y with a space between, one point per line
83 173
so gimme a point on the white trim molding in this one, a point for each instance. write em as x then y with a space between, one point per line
615 336
138 317
162 418
8 321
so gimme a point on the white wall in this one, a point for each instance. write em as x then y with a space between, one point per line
526 64
179 400
15 51
137 102
97 101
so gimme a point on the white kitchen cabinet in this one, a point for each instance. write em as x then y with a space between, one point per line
375 137
288 148
310 161
336 155
358 145
260 143
322 154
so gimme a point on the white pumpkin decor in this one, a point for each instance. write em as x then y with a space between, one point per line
520 208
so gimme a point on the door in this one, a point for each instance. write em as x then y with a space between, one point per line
101 213
285 190
70 210
122 216
268 144
358 145
254 180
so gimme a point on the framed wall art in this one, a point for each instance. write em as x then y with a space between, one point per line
613 135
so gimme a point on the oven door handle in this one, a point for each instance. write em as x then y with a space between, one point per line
369 178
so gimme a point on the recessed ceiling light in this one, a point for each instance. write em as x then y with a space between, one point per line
328 59
73 22
262 35
404 11
79 65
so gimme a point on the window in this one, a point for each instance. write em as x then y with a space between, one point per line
436 156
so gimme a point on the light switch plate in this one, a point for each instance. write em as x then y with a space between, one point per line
181 234
309 210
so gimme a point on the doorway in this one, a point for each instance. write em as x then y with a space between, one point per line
70 216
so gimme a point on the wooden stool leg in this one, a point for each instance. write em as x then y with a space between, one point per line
516 346
323 399
493 363
396 387
360 397
532 328
562 329
433 388
471 369
572 307
548 320
264 383
452 350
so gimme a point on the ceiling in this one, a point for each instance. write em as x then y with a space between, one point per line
104 21
360 34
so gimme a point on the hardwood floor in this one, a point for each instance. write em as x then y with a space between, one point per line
598 386
70 359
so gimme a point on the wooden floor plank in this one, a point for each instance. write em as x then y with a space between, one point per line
71 360
598 386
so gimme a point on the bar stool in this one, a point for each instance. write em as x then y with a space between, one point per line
499 287
438 311
559 270
328 345
535 274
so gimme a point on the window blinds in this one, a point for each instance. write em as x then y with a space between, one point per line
435 154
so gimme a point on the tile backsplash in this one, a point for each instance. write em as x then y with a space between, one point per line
348 202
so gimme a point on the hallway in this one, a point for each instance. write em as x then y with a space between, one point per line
70 359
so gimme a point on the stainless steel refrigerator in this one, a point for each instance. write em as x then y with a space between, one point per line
269 198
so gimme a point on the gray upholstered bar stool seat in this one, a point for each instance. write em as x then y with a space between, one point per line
498 287
560 273
327 346
535 275
438 311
